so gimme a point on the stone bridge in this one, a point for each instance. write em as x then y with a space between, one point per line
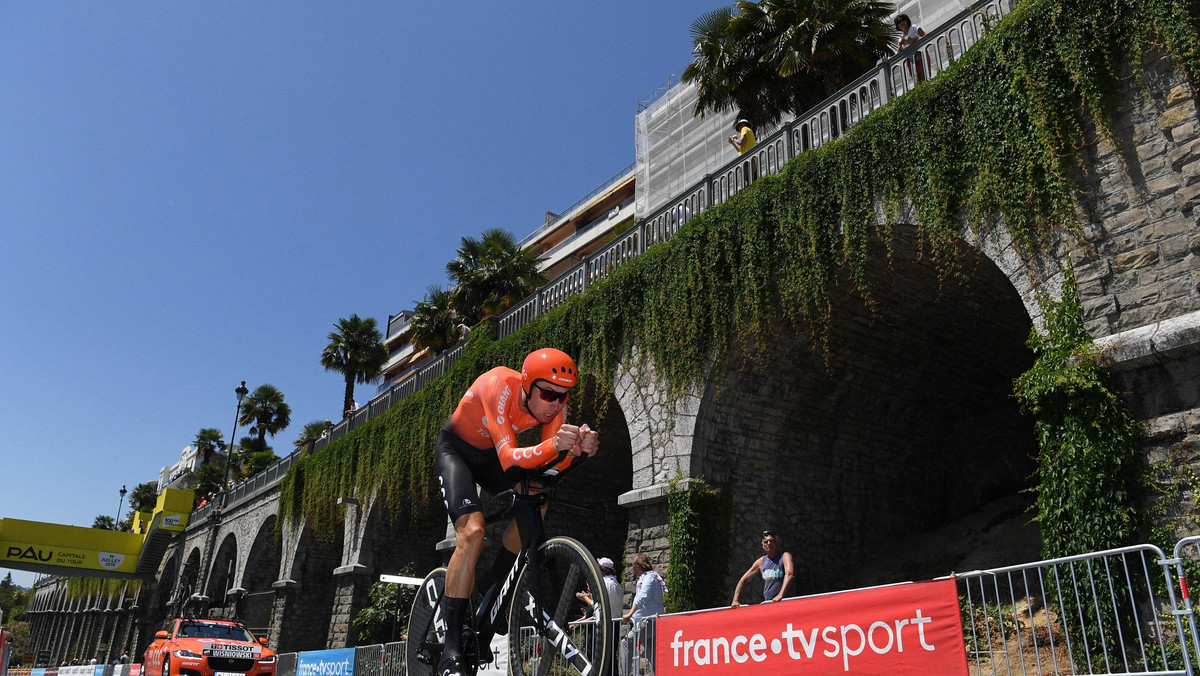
903 456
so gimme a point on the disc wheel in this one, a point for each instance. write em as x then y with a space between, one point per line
558 642
426 627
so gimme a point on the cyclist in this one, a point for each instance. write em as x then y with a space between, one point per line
478 446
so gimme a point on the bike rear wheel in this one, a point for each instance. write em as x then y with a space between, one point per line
558 644
426 626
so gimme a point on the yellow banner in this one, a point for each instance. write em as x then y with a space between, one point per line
32 545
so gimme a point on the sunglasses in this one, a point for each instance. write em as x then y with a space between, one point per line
550 395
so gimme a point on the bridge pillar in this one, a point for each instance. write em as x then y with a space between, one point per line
661 429
352 578
350 596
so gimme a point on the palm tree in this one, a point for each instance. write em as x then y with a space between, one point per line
208 441
356 351
104 522
492 274
266 413
312 431
143 497
207 480
778 57
434 323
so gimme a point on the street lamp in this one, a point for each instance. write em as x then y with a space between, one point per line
117 523
241 394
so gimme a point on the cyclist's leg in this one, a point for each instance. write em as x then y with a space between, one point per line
462 504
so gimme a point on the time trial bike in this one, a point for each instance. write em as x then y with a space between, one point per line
541 593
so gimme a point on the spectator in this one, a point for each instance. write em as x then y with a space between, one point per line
124 657
647 603
325 432
353 407
616 596
93 661
909 34
611 587
775 567
744 139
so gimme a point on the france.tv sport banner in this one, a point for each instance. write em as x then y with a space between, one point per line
904 629
337 662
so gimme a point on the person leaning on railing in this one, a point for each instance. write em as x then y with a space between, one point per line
909 34
744 141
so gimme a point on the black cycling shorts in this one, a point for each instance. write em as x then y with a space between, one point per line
460 466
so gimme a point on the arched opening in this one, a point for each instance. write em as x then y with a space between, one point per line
164 591
262 569
309 605
903 455
601 478
189 579
220 578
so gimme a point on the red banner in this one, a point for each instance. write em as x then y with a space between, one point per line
903 629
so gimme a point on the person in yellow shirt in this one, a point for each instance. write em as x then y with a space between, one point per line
744 139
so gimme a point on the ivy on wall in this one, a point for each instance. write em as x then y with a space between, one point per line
991 140
699 518
1092 478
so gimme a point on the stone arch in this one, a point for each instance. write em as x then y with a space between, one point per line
302 616
221 573
260 572
659 428
600 479
165 589
189 576
876 462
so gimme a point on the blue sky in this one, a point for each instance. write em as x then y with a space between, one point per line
191 194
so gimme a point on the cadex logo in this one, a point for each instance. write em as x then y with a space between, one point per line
29 554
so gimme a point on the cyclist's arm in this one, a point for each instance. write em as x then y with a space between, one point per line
511 455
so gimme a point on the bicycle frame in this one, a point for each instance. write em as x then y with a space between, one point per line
530 527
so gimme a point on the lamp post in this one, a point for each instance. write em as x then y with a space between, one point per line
241 394
121 503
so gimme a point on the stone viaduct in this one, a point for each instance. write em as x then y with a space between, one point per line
903 457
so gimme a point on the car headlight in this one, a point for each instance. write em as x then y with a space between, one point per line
267 660
187 654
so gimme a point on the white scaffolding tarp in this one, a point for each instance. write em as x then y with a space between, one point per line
675 149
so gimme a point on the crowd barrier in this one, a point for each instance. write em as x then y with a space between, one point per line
1122 611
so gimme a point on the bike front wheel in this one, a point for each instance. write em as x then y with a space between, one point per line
426 626
547 634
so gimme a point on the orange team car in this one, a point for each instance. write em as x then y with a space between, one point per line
204 647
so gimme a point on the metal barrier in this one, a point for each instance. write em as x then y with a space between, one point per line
1108 612
635 654
394 659
285 664
368 660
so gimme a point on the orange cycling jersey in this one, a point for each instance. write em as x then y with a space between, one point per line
490 414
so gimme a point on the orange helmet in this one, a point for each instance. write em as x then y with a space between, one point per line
551 365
